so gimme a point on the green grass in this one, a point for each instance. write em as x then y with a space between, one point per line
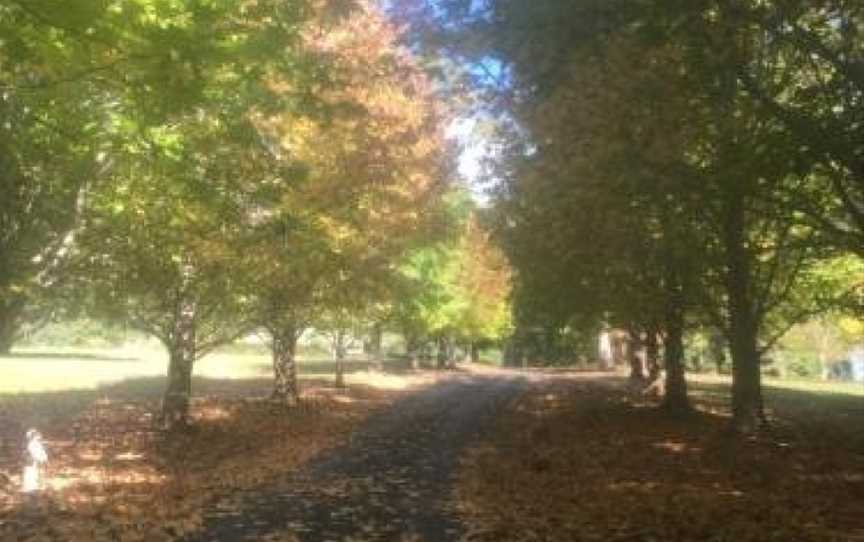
831 412
812 386
42 369
42 386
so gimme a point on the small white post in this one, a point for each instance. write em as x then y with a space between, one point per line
35 457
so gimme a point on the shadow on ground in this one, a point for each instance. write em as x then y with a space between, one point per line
393 482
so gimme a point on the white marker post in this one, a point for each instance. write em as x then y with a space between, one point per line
35 457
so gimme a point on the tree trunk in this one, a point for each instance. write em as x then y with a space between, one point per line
441 354
511 354
475 352
412 350
175 405
373 345
283 348
339 347
747 408
675 399
6 341
652 354
9 313
637 370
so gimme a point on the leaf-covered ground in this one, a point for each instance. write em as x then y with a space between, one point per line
392 482
113 477
584 458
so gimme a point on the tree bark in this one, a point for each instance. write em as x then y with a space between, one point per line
441 354
747 407
283 349
748 412
339 347
9 313
637 369
373 345
652 354
6 340
675 399
475 352
175 405
412 347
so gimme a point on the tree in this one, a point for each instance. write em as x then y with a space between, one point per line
51 151
427 301
161 250
162 243
807 77
484 278
675 113
373 160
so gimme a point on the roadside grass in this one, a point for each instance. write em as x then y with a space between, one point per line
589 459
778 384
41 369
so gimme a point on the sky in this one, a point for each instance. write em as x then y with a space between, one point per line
473 150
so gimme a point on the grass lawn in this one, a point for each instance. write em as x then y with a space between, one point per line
810 386
42 369
42 386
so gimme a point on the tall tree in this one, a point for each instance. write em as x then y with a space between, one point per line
702 151
373 162
162 241
82 85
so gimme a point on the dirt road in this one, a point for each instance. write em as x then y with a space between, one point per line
393 482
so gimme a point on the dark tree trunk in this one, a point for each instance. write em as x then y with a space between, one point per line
6 342
652 354
511 354
675 399
475 353
637 369
412 350
283 348
373 345
747 408
175 405
8 326
442 353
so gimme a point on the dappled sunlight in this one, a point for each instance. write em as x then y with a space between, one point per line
110 471
59 371
593 461
397 382
211 412
676 447
631 486
808 386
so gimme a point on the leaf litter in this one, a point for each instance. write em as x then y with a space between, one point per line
112 476
586 459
